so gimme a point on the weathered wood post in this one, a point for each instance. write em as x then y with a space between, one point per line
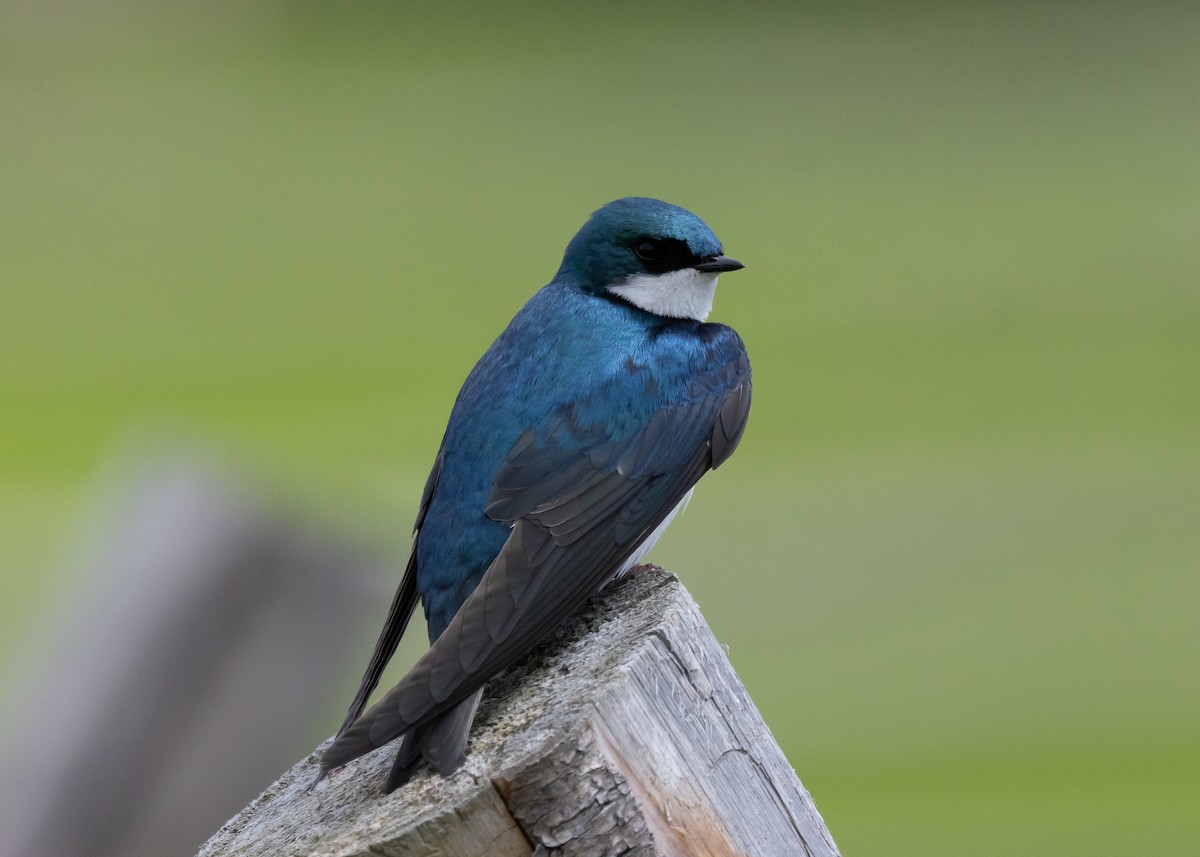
628 733
205 628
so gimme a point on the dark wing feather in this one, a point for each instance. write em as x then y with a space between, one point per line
579 511
530 587
403 604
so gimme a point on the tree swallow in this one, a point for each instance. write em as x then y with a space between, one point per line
573 443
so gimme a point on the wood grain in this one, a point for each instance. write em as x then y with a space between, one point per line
627 733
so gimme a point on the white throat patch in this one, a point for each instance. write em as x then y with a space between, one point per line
686 293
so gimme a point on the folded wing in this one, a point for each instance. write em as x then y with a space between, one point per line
581 496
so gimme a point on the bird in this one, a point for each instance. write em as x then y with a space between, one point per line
573 443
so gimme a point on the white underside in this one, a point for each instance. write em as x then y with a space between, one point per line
686 293
644 548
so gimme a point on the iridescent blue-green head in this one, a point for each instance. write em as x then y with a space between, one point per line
659 257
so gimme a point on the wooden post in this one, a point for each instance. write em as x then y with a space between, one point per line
205 631
628 733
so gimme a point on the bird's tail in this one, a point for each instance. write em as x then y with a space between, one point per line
442 742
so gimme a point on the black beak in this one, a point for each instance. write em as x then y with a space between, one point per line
717 264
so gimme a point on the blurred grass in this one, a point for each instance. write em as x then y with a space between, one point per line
955 559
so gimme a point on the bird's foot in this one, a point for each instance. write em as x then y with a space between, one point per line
642 569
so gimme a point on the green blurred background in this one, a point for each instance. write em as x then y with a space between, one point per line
955 560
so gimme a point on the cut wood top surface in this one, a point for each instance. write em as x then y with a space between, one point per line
626 732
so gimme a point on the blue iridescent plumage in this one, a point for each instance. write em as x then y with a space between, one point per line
573 439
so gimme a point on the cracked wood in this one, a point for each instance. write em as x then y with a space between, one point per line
627 733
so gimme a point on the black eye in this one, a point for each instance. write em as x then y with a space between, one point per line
648 251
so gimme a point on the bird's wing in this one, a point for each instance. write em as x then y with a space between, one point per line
582 497
403 604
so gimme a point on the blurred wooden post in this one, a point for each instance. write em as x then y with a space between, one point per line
627 734
205 636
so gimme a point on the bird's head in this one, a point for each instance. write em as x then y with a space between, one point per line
658 257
